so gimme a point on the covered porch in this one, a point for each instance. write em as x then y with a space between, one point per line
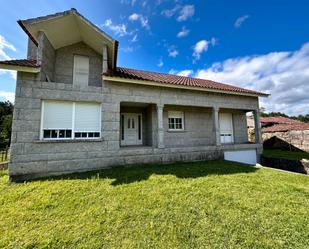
177 126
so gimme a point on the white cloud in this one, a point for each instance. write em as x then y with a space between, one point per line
11 72
182 12
202 46
128 2
5 45
186 12
160 63
127 49
10 96
134 17
170 12
183 32
172 51
240 20
172 71
285 75
134 39
185 73
118 29
138 17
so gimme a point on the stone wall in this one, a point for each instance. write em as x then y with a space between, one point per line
32 50
298 139
65 62
198 127
45 57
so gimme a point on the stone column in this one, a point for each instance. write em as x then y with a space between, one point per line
160 135
216 128
105 60
257 127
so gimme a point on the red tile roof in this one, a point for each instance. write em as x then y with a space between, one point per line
127 73
279 120
286 127
22 63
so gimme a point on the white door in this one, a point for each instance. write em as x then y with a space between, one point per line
226 127
131 129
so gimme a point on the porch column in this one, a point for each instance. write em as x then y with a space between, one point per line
216 129
257 127
160 134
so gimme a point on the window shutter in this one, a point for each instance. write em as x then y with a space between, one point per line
81 70
87 117
226 123
57 115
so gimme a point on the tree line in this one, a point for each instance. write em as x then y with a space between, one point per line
303 118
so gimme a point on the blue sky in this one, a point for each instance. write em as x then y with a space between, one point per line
260 45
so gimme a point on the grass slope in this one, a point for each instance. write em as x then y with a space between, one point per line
293 155
186 205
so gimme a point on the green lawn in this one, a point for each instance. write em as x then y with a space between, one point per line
186 205
293 155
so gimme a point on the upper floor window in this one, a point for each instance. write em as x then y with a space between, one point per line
226 127
69 120
81 70
175 121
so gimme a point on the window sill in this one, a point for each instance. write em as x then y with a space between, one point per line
69 140
176 131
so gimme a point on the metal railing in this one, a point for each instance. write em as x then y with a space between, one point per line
4 155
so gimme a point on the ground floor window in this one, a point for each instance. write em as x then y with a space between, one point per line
175 120
70 120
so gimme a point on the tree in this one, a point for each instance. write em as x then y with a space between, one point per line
6 114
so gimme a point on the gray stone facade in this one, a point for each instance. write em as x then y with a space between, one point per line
297 139
32 157
65 60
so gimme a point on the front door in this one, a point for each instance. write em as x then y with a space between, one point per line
131 129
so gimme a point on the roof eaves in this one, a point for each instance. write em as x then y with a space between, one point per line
21 24
21 68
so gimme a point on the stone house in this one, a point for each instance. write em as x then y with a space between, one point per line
76 110
285 133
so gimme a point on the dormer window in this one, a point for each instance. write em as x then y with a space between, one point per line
81 70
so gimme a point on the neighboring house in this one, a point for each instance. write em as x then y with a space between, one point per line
274 121
76 110
282 132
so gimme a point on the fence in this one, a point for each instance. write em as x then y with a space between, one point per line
4 155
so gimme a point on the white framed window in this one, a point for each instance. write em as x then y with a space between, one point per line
226 127
81 70
175 121
70 120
